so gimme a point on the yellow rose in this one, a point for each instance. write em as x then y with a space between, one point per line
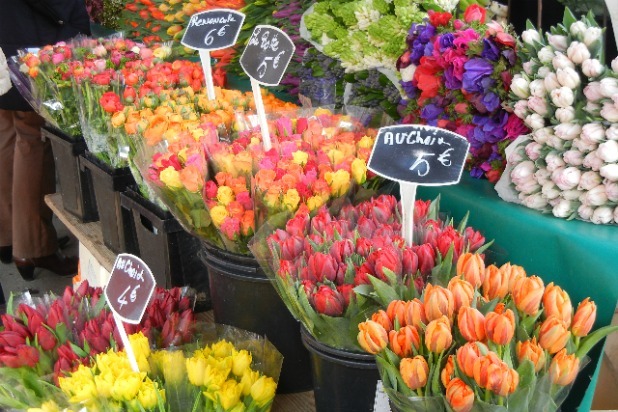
241 361
338 181
229 394
272 197
225 195
315 202
359 171
127 385
118 119
291 199
218 214
171 178
300 157
263 390
247 380
195 369
366 142
162 52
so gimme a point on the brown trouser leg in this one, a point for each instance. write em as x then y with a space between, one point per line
27 174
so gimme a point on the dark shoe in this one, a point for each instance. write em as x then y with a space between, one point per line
60 265
6 254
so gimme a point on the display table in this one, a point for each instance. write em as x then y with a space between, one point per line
90 237
578 256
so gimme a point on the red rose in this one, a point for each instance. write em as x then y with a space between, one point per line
439 19
328 301
474 12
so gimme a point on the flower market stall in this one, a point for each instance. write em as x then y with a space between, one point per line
258 188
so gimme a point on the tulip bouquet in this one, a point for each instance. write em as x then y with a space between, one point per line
568 165
493 339
330 268
456 74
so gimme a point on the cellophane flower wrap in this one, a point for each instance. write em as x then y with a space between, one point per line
492 339
222 369
568 164
333 270
456 74
43 339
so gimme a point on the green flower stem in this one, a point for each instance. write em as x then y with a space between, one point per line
487 395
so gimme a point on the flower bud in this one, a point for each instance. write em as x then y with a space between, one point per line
562 97
592 68
414 314
448 372
527 294
593 161
500 325
529 187
593 91
556 302
372 337
602 215
471 324
595 196
546 54
612 132
567 131
611 190
472 267
554 334
557 41
567 178
404 341
496 283
592 35
531 350
560 61
568 77
521 109
537 88
563 368
536 201
382 318
459 396
565 114
550 82
554 161
610 172
578 52
438 302
564 208
529 68
531 36
615 65
462 291
609 112
414 372
578 29
438 336
542 176
550 190
572 194
521 173
543 134
520 87
585 212
534 121
538 105
584 318
573 158
396 311
589 180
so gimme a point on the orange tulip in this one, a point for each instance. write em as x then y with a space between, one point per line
496 283
472 267
513 272
448 372
527 294
493 374
414 314
531 350
404 341
471 324
396 310
563 368
459 395
556 302
372 337
500 325
584 318
554 334
462 291
438 336
382 318
438 302
414 372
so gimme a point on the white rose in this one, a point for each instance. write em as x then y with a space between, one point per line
578 29
592 35
531 36
407 74
611 190
602 215
521 109
593 91
615 65
565 114
557 41
612 132
593 133
542 176
534 121
578 52
592 161
593 108
592 68
542 135
583 146
551 82
553 160
550 190
609 87
529 187
538 105
568 77
536 201
566 178
560 61
609 112
562 97
610 172
564 208
567 131
520 87
537 88
543 72
523 172
589 180
533 150
546 54
595 196
573 157
556 142
608 151
585 212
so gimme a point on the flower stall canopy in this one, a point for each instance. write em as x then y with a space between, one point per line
573 254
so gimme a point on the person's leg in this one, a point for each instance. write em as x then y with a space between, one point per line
7 149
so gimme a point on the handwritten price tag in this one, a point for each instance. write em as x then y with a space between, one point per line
213 29
267 55
130 288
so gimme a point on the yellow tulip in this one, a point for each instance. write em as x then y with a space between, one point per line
247 381
241 362
300 157
229 394
173 366
359 171
127 385
366 142
148 395
104 383
263 390
195 370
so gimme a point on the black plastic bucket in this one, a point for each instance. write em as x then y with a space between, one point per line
75 184
343 381
116 223
169 251
242 296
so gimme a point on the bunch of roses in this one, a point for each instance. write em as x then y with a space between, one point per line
493 336
456 74
569 163
330 269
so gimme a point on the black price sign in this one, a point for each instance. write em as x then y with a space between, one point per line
267 55
130 288
423 155
213 29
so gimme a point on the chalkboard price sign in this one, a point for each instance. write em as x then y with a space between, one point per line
129 288
213 29
423 155
267 55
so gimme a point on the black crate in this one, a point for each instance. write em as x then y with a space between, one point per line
116 223
75 185
169 251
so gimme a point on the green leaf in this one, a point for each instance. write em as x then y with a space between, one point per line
78 351
385 293
463 223
589 341
434 209
484 247
389 372
569 18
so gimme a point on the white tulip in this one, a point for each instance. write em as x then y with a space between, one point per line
546 54
556 142
542 176
565 114
602 215
578 52
538 105
521 109
609 87
533 150
593 108
542 135
593 133
592 68
583 146
567 178
562 97
529 187
516 157
551 82
585 212
573 157
560 61
550 190
609 112
611 190
616 215
529 68
536 201
572 194
592 35
568 77
610 172
595 196
531 36
520 87
589 180
537 88
578 29
608 151
567 131
615 65
523 172
554 161
557 41
564 208
534 121
554 202
543 72
612 132
593 91
594 162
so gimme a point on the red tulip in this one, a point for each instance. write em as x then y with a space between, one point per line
292 247
328 301
46 338
321 266
55 314
15 325
10 339
426 258
409 261
347 291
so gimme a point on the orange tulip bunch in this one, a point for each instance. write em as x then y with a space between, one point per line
492 335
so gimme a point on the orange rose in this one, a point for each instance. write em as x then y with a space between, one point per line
471 324
584 318
235 209
556 302
459 396
192 178
264 179
247 223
